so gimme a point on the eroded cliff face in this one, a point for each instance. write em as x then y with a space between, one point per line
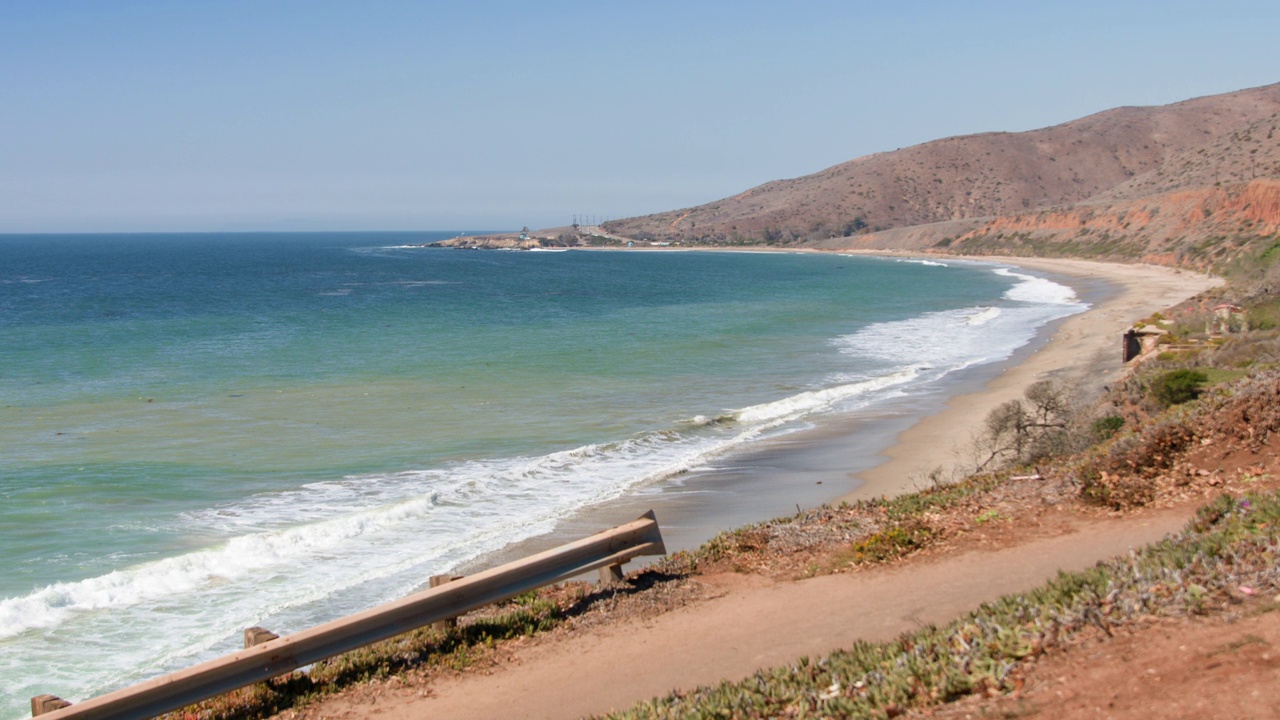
1197 228
1260 203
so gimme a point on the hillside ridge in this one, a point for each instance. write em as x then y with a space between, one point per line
1120 162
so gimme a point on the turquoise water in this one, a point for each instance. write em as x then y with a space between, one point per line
202 433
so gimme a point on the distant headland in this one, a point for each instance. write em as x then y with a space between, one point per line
1193 184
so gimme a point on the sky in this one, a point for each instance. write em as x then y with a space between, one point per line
238 115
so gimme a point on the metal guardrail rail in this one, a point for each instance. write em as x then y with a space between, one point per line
605 551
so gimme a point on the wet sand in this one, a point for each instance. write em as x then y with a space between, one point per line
752 624
1082 352
891 448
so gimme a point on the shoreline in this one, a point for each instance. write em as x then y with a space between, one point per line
1083 350
599 672
888 450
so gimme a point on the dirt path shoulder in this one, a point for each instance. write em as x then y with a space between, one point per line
749 624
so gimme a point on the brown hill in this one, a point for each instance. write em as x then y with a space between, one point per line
1116 156
1200 208
1237 156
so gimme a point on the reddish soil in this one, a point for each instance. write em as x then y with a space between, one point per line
1215 667
1005 540
749 622
1208 668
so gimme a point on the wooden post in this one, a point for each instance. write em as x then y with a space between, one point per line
610 574
437 581
154 697
42 704
256 636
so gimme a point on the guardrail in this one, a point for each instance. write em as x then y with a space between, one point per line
605 551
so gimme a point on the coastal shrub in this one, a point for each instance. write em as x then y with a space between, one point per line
1156 448
1265 315
940 496
1229 545
1177 386
1251 412
731 543
1259 348
1181 355
1220 376
1123 474
1117 491
892 542
1106 427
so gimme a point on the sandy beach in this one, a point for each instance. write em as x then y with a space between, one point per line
890 450
749 622
1083 352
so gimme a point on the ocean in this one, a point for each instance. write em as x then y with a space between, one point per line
202 433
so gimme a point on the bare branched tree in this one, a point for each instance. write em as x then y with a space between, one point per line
1026 430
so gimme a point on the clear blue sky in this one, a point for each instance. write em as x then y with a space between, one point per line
140 115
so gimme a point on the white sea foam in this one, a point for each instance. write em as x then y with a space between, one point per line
288 560
922 261
816 401
952 340
350 543
24 280
983 316
1033 289
292 559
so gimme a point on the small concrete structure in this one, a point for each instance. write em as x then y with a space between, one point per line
1140 340
1227 318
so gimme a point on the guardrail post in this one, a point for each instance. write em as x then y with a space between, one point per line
266 660
437 581
256 636
610 574
42 704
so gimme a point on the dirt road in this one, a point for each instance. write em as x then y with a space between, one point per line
752 623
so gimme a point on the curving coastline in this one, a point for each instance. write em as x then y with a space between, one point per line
748 621
1083 351
888 451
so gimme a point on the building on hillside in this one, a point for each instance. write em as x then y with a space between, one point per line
1140 340
1227 318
